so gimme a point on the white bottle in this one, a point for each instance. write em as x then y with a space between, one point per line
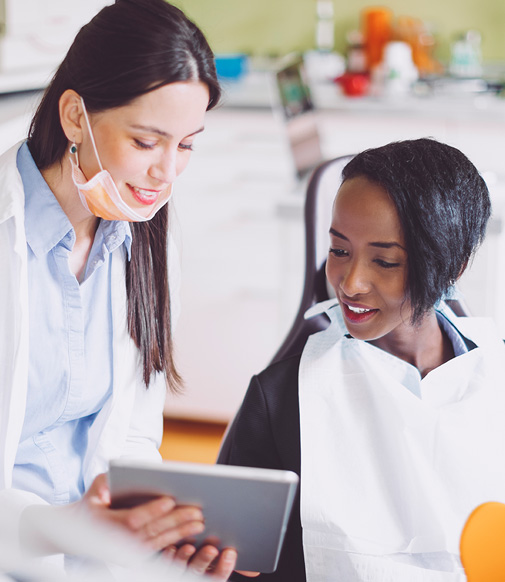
325 25
397 72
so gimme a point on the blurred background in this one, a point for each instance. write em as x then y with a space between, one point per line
275 28
303 81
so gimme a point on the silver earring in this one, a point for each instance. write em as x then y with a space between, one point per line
73 149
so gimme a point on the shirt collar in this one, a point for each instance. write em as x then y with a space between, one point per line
113 233
460 344
124 232
42 207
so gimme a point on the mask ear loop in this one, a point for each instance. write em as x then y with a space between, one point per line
91 136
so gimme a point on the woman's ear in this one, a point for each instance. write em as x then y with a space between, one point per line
71 115
462 270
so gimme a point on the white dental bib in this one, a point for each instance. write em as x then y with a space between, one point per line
389 478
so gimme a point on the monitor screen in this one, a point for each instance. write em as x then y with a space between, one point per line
294 91
299 116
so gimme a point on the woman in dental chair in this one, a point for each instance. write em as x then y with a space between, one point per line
393 415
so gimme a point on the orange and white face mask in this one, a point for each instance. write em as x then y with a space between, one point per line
100 194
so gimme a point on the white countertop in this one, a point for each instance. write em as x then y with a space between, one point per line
257 90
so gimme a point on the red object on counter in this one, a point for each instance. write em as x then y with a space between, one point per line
354 84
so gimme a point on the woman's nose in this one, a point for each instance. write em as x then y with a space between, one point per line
165 168
355 280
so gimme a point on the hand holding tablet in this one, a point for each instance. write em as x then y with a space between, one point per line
244 508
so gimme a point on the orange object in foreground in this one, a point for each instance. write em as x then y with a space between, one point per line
482 544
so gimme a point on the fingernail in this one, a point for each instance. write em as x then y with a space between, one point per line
188 552
167 505
198 515
229 555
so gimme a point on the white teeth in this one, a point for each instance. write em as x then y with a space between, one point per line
147 193
358 309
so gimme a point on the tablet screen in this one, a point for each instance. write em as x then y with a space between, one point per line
245 508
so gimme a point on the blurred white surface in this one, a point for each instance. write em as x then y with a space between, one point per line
36 36
103 553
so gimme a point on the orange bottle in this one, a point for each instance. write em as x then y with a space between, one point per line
377 25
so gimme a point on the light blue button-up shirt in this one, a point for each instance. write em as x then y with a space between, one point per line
70 365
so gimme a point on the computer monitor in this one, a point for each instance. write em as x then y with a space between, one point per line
299 116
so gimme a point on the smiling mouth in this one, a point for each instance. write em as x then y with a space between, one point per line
359 309
358 314
146 197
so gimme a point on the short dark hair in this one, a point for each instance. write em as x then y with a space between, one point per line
128 49
443 205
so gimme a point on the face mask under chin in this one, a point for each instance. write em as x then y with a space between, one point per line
100 195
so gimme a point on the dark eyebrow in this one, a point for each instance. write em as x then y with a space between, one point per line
157 131
380 245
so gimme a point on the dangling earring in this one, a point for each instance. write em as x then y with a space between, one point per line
73 149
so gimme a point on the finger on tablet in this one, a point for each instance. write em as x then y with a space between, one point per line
185 531
139 517
171 528
203 559
183 554
225 564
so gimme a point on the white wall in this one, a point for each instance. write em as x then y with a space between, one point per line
37 34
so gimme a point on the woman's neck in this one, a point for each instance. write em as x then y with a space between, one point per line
426 346
59 179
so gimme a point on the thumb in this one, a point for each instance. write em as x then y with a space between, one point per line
99 490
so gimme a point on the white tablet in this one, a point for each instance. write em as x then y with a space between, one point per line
245 508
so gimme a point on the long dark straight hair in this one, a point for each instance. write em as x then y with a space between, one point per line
128 49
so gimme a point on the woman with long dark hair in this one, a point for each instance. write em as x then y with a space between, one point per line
87 312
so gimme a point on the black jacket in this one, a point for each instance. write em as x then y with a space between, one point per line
266 433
